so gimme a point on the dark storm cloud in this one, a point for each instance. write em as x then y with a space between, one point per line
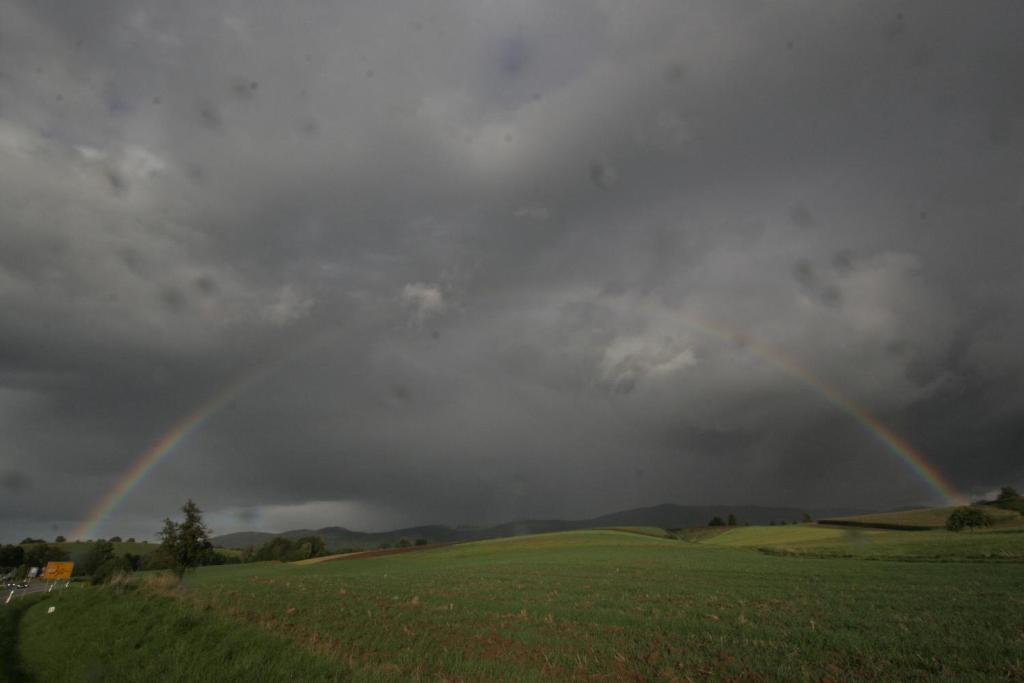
14 481
463 251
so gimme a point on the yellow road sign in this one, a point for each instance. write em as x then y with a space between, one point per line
58 571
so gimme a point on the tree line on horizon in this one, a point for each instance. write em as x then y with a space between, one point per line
185 545
731 521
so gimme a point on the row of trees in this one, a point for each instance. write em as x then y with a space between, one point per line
400 543
731 521
36 555
60 539
286 550
183 546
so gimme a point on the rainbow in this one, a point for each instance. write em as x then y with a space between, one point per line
195 420
184 428
159 450
893 441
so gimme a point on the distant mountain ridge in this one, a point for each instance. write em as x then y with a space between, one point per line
667 515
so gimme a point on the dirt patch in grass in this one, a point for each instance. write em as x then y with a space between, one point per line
363 554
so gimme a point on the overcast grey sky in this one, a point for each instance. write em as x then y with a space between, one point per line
470 239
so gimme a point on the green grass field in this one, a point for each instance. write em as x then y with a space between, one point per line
931 518
597 605
993 545
96 634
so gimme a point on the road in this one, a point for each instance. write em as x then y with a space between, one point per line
33 587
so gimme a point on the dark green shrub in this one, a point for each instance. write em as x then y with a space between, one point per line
967 518
38 555
11 555
1007 493
110 568
99 553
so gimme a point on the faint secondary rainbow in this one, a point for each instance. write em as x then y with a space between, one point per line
893 441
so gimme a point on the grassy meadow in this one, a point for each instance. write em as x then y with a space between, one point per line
993 545
751 603
930 518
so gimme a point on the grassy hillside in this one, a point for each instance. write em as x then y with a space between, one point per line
591 604
666 516
993 545
927 518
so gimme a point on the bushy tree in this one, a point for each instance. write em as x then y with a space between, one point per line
60 539
110 568
187 544
421 541
311 546
158 559
403 543
99 553
967 518
716 521
1007 493
38 555
133 562
115 539
732 520
12 556
216 558
284 550
276 548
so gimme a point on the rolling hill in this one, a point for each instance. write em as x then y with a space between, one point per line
917 519
666 516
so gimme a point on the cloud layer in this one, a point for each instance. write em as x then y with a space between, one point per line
477 241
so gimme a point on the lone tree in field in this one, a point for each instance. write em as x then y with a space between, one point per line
732 520
186 545
716 521
967 518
